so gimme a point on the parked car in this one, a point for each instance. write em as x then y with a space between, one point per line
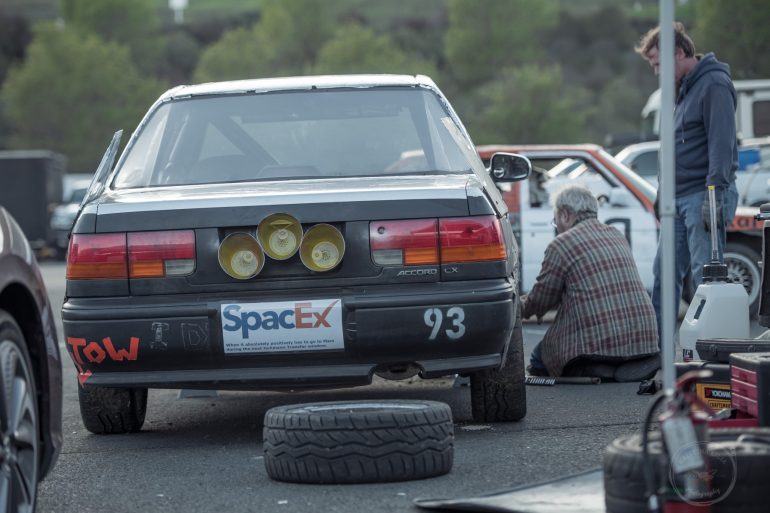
752 177
296 232
626 201
30 372
63 216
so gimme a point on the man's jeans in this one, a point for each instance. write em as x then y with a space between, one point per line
536 358
692 245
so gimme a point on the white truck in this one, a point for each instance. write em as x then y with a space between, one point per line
752 114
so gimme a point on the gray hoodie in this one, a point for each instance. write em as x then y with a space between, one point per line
704 128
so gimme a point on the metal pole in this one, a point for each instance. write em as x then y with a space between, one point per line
666 193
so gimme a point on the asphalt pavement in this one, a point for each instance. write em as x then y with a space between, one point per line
205 454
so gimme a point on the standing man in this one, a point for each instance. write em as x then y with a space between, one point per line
706 153
605 326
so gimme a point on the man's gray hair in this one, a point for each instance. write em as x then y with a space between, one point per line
576 199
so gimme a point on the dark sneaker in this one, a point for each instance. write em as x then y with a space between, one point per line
638 370
537 371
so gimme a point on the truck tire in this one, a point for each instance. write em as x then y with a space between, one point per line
108 411
358 442
500 395
624 485
743 267
21 447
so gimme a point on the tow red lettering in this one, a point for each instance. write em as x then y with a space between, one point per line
121 354
95 353
76 343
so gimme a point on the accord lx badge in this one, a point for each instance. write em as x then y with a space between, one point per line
417 272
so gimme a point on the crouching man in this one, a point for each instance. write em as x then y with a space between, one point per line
605 325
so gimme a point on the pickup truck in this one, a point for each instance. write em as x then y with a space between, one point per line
626 201
752 177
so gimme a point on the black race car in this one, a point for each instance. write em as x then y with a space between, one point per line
30 373
291 233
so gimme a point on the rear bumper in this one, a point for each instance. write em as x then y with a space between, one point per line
179 341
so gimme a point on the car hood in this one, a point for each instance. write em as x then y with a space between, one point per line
337 199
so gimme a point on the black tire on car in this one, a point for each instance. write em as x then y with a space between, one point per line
107 411
358 441
744 491
20 448
743 267
500 395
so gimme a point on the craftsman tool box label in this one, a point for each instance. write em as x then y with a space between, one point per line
716 395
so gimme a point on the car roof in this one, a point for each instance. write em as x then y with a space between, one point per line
487 150
298 83
639 147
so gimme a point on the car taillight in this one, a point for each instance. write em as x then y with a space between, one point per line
433 241
159 254
133 255
95 256
471 239
411 242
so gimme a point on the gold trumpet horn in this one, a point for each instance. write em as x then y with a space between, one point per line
240 256
322 248
280 236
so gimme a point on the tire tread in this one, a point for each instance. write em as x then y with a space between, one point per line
112 410
358 447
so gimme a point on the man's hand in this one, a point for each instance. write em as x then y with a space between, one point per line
524 315
706 212
523 306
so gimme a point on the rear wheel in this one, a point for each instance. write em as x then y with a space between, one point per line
112 410
499 395
20 445
743 267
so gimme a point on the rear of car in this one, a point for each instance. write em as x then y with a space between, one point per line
289 233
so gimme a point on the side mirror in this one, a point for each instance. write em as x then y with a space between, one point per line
620 197
509 167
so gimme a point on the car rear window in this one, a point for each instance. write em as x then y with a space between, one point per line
294 135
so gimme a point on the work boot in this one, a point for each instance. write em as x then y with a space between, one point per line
590 369
638 369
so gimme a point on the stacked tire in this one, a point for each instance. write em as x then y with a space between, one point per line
358 441
739 470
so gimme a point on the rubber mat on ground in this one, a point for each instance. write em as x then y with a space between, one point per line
579 493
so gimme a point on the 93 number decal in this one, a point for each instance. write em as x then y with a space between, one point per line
434 318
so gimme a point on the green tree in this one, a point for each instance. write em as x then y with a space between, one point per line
488 35
737 32
134 23
357 49
528 104
72 92
285 41
241 53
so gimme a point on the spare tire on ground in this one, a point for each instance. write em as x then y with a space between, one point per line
358 441
739 461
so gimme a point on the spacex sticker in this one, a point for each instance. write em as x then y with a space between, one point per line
283 326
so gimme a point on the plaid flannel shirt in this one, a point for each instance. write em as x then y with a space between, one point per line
589 273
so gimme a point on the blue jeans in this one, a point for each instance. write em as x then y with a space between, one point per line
692 244
536 358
